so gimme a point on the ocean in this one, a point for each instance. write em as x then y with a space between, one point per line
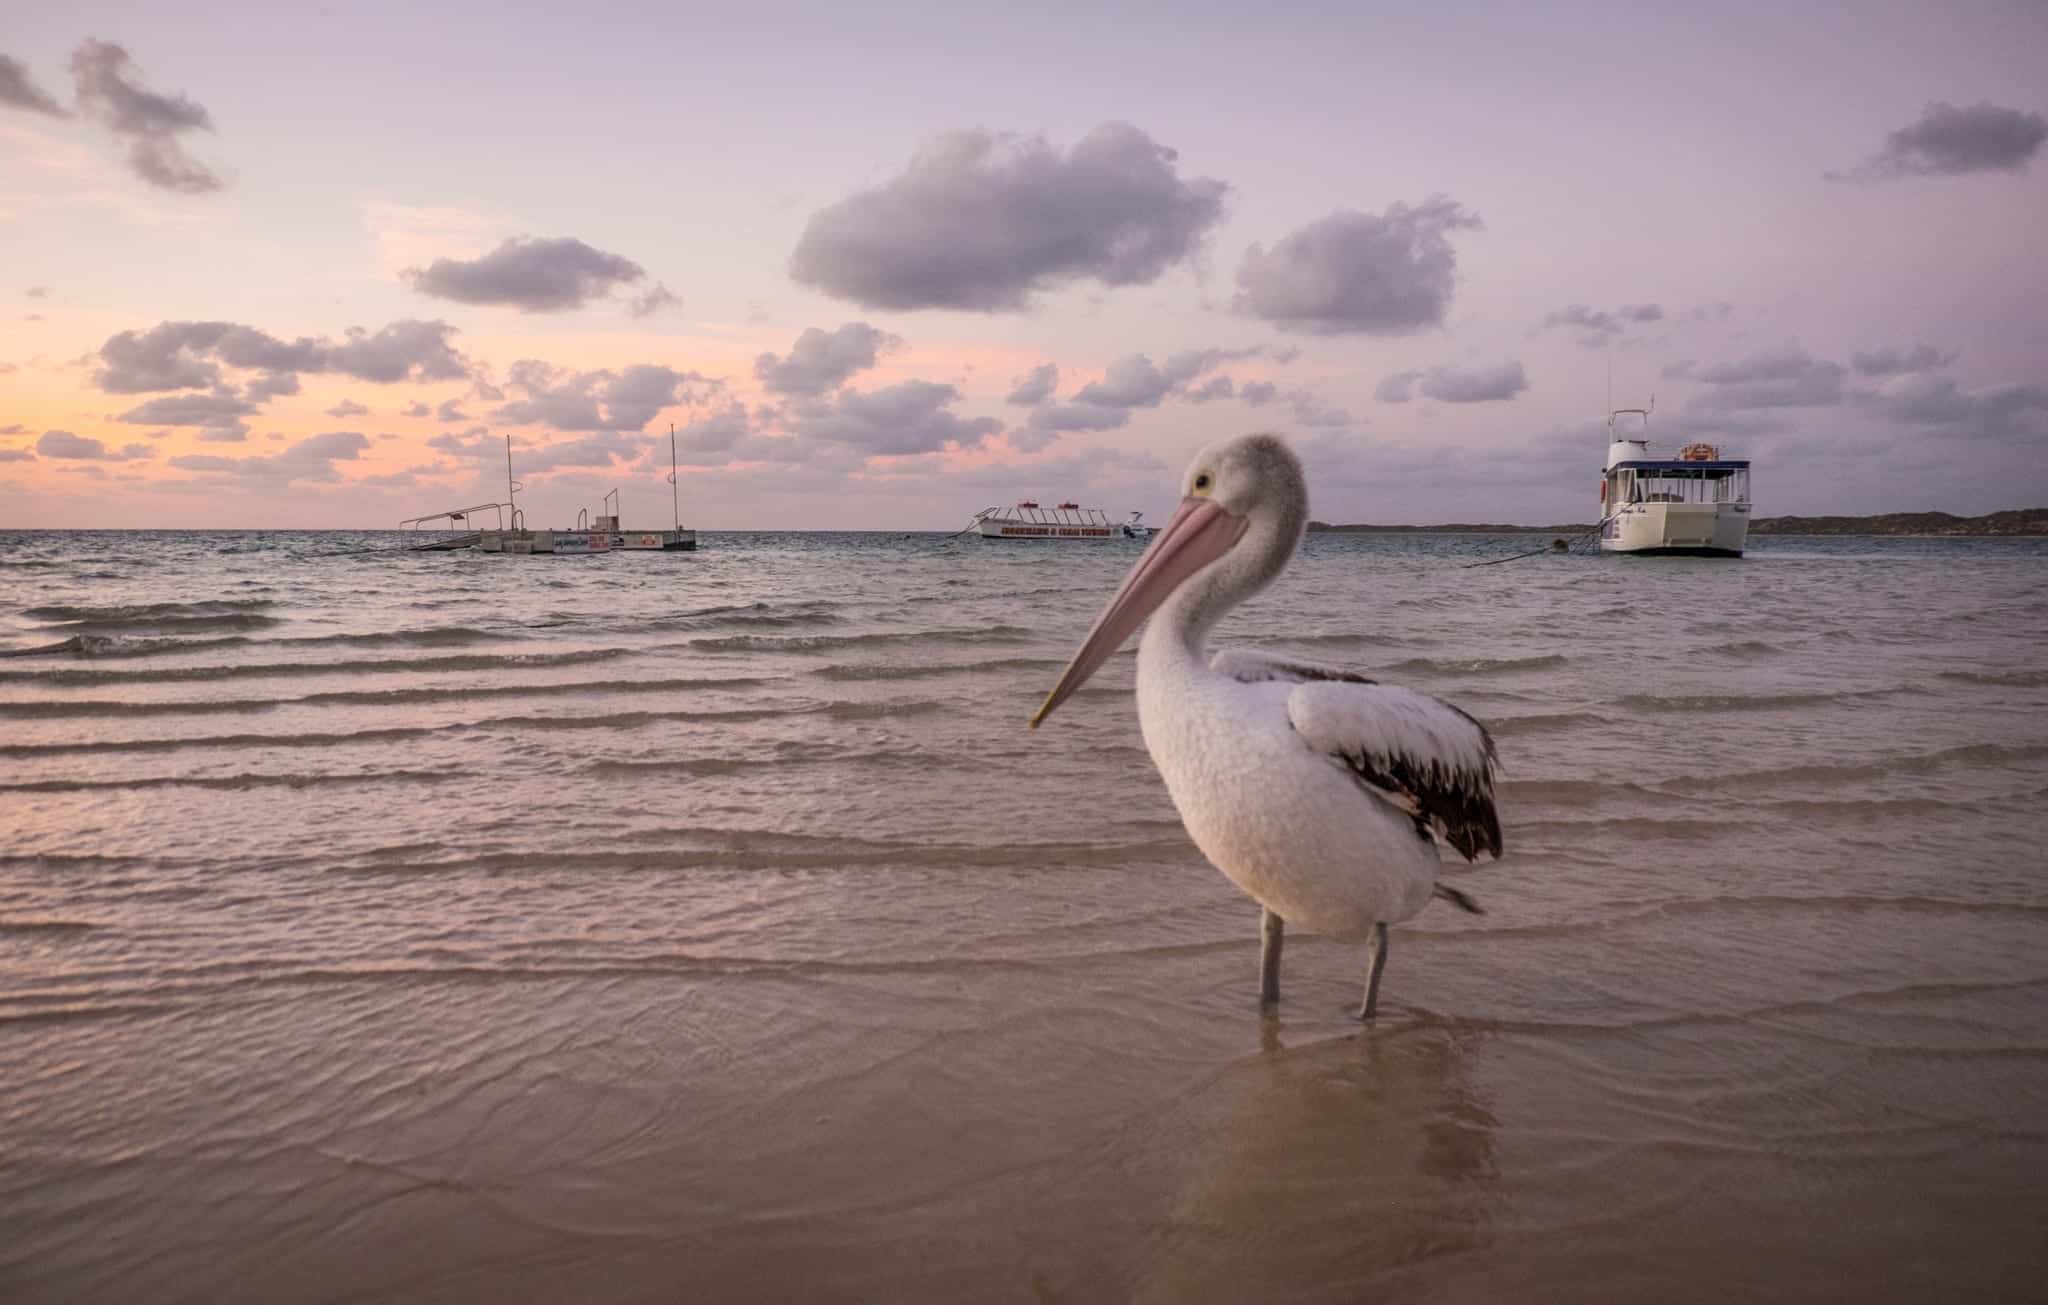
382 926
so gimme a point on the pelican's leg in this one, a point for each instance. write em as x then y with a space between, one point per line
1376 965
1272 931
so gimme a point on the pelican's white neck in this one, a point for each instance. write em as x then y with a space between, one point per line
1179 630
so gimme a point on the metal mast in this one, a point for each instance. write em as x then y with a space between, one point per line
675 492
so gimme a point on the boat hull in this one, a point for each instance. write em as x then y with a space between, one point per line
1677 552
1027 531
575 543
1677 529
651 541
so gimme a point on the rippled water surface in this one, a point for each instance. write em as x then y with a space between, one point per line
392 926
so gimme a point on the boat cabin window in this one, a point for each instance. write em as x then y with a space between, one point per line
1685 485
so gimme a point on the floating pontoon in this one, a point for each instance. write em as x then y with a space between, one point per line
508 532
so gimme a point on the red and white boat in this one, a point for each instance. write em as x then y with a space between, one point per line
1028 520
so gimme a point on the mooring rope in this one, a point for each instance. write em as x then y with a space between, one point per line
1548 548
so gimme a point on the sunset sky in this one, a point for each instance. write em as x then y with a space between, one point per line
882 265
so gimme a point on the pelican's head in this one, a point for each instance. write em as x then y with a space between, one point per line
1243 499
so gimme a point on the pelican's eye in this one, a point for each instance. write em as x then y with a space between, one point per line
1202 483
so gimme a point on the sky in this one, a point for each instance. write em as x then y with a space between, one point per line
883 265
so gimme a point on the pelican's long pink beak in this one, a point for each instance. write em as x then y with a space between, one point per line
1201 531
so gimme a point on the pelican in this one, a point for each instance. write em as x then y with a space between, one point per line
1320 793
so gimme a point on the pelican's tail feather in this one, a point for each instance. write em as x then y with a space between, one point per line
1462 900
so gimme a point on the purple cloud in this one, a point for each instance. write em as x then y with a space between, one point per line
535 276
1358 273
1949 142
109 91
983 222
821 361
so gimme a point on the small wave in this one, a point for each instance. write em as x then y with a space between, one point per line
1479 665
267 670
1352 640
232 622
762 615
1637 828
739 850
151 611
110 645
233 782
865 671
67 1014
364 697
813 643
436 636
1509 726
1746 701
1626 914
70 645
880 710
2033 679
1572 792
621 720
8 927
1971 754
394 734
1748 648
617 769
1810 810
1847 902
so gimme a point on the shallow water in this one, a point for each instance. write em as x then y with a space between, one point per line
378 925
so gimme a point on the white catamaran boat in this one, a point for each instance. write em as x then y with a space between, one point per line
1027 520
1693 505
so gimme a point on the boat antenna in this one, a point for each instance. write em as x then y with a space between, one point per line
675 493
1610 378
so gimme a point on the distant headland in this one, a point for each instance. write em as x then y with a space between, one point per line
2022 521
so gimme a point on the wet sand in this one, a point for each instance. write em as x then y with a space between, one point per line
1116 1133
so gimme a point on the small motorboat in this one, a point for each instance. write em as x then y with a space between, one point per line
1693 505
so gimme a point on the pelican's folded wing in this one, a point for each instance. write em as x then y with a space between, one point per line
1254 667
1425 756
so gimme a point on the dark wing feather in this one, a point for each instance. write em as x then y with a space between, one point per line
1424 756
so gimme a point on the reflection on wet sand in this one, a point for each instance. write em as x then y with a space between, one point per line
1316 1169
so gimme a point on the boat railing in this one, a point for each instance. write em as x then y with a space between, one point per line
1644 413
1030 513
1066 514
1694 484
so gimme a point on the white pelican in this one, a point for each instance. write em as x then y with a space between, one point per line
1318 792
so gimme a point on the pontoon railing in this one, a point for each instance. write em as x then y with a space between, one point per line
462 514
